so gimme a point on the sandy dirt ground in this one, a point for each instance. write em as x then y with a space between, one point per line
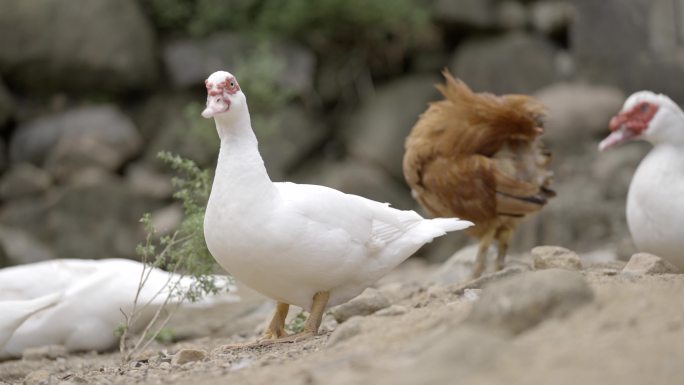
631 331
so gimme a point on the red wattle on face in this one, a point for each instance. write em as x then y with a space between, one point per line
629 125
635 119
218 96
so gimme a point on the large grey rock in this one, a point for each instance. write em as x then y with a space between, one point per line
144 180
82 45
469 13
578 112
20 247
512 63
7 104
158 113
100 136
641 48
190 61
88 220
175 124
286 137
512 15
378 130
648 264
184 356
368 302
24 179
523 301
552 17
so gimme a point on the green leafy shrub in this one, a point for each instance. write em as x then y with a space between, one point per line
318 23
183 252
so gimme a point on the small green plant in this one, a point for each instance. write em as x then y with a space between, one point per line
183 253
297 324
165 336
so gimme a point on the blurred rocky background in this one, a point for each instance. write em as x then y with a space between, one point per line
91 91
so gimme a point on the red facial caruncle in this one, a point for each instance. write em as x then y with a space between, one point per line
218 95
629 124
636 119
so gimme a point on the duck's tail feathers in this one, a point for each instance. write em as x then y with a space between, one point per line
428 229
450 224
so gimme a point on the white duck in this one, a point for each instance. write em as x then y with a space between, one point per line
14 313
655 203
304 245
87 311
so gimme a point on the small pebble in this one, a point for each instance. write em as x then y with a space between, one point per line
648 264
188 355
555 257
38 377
472 295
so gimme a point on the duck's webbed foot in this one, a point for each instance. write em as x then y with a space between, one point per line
320 300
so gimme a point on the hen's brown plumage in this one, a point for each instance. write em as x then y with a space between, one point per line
479 157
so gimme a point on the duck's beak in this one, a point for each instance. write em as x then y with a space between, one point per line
615 138
620 133
216 104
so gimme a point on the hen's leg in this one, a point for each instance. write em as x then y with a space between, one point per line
320 300
481 259
503 236
276 329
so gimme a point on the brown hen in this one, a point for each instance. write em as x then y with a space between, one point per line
479 157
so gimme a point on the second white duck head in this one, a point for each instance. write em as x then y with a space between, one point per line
646 116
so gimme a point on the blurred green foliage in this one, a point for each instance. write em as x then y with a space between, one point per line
296 325
258 73
184 251
319 23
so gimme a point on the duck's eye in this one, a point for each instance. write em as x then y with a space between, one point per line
644 107
232 84
218 100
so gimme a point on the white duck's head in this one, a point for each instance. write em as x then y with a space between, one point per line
646 116
225 99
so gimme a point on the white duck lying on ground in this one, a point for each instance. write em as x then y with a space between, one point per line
655 202
304 245
14 313
87 309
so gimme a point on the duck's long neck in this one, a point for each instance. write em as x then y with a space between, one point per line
240 172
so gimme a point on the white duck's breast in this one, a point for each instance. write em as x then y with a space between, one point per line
655 204
307 257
